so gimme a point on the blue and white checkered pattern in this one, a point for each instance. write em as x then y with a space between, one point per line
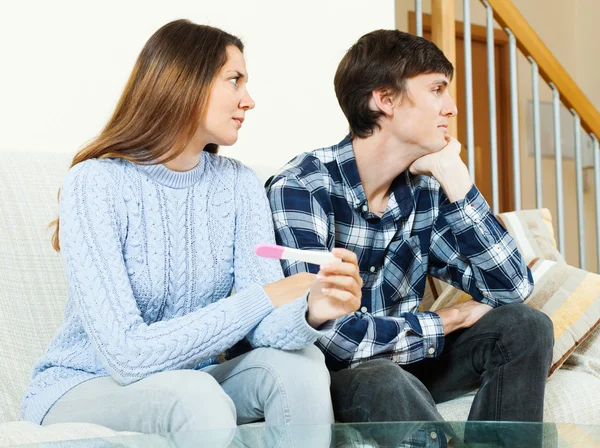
318 203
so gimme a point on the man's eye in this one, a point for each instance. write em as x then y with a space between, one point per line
234 81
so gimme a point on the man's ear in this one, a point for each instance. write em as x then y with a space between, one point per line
383 101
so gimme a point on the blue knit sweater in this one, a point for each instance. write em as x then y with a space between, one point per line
150 257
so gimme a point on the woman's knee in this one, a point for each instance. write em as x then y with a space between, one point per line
304 367
299 379
194 400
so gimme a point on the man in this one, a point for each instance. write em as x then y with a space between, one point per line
396 192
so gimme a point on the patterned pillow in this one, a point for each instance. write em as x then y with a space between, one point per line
533 233
568 295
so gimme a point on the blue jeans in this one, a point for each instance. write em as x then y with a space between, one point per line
281 387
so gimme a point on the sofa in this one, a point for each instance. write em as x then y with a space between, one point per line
33 292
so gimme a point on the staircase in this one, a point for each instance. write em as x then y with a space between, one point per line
543 176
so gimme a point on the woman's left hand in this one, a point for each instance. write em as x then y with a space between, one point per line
336 291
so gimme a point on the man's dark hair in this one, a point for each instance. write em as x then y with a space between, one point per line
382 59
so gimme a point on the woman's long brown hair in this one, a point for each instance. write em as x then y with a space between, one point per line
164 99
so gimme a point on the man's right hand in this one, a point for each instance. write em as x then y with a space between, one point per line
462 315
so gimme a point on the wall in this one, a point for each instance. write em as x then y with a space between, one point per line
570 31
65 63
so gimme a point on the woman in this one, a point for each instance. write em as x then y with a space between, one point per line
155 229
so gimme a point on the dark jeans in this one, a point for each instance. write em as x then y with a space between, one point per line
507 355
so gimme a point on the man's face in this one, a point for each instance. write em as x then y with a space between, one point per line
421 114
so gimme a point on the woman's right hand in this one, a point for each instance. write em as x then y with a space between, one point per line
336 291
288 289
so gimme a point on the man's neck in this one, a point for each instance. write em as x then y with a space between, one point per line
380 159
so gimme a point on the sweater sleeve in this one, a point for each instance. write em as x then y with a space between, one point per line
285 327
92 217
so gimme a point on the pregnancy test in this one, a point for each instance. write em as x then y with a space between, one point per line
286 253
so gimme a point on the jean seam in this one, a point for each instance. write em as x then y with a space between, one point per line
499 394
280 387
355 408
505 355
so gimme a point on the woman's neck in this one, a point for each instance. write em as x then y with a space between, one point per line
189 157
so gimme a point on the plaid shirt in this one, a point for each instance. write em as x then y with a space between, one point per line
318 203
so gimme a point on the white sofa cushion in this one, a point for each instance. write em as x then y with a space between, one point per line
20 433
32 284
571 397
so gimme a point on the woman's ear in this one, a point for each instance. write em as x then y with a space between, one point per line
382 100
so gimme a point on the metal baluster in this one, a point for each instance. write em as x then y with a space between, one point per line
559 176
579 188
537 140
596 149
469 88
514 118
419 18
492 99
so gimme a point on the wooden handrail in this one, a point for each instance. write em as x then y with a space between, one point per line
507 15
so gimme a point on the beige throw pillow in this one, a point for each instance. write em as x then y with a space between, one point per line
568 295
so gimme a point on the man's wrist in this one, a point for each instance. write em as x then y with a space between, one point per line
451 319
454 179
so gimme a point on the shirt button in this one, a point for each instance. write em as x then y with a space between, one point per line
372 269
364 309
365 208
431 350
433 435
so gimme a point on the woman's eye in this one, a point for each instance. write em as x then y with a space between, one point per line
234 81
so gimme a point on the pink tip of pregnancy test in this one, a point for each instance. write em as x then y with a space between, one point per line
268 250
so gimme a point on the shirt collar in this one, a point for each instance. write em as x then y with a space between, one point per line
353 189
401 196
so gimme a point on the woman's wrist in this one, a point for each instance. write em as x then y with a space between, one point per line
314 321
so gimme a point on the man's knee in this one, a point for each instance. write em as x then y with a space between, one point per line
194 400
380 390
384 379
522 323
539 326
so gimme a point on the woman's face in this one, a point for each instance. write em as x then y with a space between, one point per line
228 102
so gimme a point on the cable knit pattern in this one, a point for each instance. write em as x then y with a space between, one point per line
151 256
